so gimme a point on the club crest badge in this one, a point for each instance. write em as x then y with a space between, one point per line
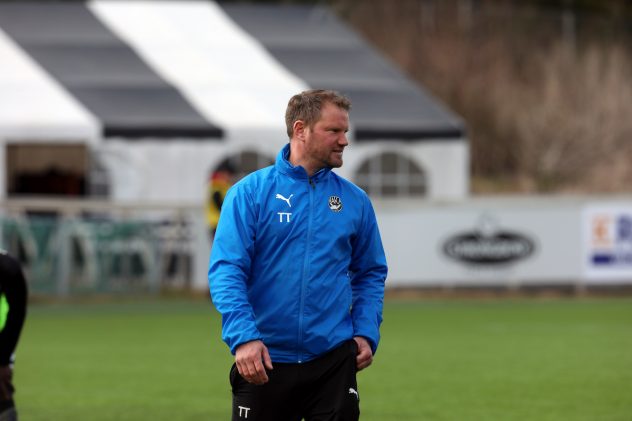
335 204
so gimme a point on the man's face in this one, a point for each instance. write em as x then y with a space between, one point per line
326 141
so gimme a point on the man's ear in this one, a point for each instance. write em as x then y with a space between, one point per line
299 129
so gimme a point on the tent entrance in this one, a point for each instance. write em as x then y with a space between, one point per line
48 170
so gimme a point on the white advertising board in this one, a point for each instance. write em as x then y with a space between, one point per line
607 251
478 243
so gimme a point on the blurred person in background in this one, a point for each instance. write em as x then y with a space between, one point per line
13 296
219 183
297 272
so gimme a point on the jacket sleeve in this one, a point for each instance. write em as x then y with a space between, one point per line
13 286
368 268
229 268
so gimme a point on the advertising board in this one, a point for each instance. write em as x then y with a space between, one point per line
482 243
607 251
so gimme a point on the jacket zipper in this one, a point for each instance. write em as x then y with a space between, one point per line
304 277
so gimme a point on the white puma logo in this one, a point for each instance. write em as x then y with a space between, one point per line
278 196
353 392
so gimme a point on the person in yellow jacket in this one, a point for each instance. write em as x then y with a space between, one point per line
220 181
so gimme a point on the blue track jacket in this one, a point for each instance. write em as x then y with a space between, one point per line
297 262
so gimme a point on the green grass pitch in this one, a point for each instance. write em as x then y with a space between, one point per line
438 360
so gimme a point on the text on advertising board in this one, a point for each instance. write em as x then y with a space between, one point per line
488 245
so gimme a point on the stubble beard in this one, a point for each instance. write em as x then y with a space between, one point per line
339 162
335 161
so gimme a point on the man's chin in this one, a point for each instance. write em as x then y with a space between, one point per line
336 161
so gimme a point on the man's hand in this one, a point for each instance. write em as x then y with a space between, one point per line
252 359
365 355
6 387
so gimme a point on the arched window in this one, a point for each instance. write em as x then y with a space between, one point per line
391 174
245 162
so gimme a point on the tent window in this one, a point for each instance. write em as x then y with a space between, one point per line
245 162
391 175
51 170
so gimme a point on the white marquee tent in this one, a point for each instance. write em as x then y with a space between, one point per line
151 96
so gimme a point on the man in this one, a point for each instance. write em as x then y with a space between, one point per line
297 271
12 312
219 183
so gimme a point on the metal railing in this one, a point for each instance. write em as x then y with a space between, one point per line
77 246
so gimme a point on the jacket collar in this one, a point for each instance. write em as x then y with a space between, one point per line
284 166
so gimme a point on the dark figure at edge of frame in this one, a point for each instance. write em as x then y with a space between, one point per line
13 297
297 272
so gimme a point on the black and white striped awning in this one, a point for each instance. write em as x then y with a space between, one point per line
193 69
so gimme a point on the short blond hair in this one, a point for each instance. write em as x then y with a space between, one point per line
308 104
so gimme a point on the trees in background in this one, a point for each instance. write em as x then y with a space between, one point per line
544 86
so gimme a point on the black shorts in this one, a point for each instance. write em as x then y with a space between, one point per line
324 389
